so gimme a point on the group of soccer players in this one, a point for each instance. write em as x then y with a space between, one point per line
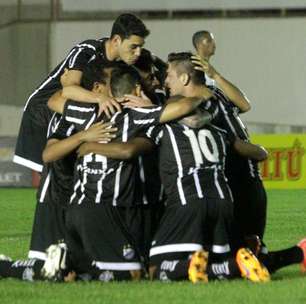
147 169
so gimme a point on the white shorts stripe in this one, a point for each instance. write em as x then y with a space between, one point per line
117 266
187 247
221 248
27 163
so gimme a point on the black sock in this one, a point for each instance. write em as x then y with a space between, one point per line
275 260
223 271
27 270
172 270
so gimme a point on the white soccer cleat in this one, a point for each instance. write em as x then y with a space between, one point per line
55 262
5 258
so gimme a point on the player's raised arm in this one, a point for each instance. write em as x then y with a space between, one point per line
234 94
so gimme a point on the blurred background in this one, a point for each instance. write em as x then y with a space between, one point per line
261 47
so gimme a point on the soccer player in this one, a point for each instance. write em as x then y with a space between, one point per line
127 38
243 174
199 206
105 187
248 192
57 177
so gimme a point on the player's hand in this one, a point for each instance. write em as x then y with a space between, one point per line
99 132
132 101
64 78
203 65
108 105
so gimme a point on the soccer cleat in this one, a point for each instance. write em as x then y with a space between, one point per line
250 267
5 258
302 245
197 267
55 262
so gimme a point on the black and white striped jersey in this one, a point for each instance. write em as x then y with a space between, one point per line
191 161
57 177
226 116
99 179
77 59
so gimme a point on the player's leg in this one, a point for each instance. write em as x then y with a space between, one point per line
26 270
178 236
110 251
48 228
32 136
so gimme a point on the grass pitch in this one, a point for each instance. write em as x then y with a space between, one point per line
286 225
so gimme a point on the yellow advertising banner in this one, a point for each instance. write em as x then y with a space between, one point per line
285 167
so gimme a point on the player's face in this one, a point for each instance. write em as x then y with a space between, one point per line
150 81
209 46
130 49
173 81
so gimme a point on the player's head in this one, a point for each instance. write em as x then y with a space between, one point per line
96 77
181 73
125 80
146 69
128 36
204 43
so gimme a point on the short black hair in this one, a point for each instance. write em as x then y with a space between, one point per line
198 37
127 25
183 64
94 72
124 80
145 61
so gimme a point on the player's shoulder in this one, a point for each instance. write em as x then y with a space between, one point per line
93 44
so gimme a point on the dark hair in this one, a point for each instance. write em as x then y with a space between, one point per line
148 63
94 72
183 64
123 80
145 61
198 37
127 25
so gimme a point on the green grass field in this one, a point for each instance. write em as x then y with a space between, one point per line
286 225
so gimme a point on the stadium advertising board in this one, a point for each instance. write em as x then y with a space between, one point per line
12 175
286 166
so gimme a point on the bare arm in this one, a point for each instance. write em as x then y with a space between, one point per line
57 102
70 81
57 149
247 149
180 108
118 150
237 97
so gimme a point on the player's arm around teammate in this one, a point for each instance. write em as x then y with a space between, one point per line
57 149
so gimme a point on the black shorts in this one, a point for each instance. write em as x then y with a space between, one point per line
98 232
250 208
32 136
48 228
202 223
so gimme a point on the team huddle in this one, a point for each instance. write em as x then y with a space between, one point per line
147 171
